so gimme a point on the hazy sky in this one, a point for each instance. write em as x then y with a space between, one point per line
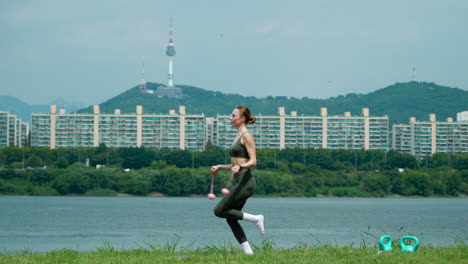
89 51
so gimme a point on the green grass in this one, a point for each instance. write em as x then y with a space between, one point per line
222 252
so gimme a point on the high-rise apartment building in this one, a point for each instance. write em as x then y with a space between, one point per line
401 138
173 130
324 131
4 133
13 132
424 138
191 132
24 138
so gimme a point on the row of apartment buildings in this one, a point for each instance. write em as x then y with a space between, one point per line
13 132
192 132
428 137
179 130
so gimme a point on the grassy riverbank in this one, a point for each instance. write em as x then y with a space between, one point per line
229 254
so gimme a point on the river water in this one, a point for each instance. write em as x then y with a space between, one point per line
42 224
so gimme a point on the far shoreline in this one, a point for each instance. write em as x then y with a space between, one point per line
161 195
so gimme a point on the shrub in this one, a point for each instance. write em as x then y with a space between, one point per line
40 190
101 192
348 191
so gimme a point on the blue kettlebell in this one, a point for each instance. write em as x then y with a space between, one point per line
385 243
409 248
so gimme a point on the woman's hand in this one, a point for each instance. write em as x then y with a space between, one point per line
235 169
214 170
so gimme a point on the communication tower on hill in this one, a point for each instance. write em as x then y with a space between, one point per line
170 52
170 91
143 82
413 74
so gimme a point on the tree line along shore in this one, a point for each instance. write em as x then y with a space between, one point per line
295 172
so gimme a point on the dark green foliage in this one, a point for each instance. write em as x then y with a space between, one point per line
100 192
40 176
273 182
16 186
176 182
34 161
74 180
453 183
7 174
288 172
304 184
202 180
460 162
339 178
12 154
400 160
179 158
136 158
106 178
378 185
395 179
40 190
347 191
211 155
133 183
416 183
62 163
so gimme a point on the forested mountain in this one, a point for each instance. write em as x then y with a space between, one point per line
399 101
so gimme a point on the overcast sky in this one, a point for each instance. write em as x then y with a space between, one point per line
89 51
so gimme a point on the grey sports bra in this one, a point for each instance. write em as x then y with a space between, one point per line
238 150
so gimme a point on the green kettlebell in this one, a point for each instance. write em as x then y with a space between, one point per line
385 243
409 248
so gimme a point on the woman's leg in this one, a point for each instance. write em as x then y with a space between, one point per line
237 230
231 205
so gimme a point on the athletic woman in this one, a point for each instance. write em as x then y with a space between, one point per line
243 158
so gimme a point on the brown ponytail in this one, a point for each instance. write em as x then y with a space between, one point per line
245 112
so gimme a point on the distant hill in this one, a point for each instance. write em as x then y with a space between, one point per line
24 110
19 108
399 101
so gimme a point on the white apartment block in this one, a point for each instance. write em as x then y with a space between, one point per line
13 132
462 116
174 130
324 131
179 130
424 138
192 132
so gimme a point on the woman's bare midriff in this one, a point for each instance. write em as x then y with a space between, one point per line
238 161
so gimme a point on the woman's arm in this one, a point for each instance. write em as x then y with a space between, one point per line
215 168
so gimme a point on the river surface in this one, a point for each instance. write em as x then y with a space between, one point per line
42 224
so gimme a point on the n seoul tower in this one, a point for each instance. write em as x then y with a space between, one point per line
170 90
170 52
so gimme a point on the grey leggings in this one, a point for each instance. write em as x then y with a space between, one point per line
231 205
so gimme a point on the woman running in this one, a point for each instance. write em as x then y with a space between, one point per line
243 158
